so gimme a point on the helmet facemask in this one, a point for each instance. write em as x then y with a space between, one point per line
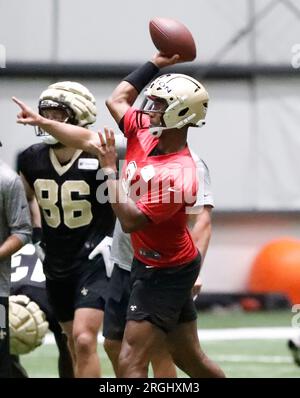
75 99
46 105
155 107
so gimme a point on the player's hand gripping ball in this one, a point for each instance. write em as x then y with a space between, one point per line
172 37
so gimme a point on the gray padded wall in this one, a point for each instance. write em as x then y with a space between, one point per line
97 31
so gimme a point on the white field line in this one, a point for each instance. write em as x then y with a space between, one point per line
267 333
263 359
255 333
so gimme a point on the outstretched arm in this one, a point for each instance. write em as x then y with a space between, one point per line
68 134
128 90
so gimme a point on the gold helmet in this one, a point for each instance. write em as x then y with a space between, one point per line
185 101
78 102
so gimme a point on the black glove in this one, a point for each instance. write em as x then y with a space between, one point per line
36 235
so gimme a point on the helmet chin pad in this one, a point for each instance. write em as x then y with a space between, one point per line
45 137
157 131
49 140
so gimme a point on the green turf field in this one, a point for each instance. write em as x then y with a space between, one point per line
238 358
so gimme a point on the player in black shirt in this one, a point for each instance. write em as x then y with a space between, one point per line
73 221
76 216
28 279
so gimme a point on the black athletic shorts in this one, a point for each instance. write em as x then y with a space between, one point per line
163 296
39 295
116 304
84 290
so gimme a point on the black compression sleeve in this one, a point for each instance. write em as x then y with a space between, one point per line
121 124
140 77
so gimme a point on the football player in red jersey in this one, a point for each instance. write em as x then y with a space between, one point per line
119 286
166 263
160 180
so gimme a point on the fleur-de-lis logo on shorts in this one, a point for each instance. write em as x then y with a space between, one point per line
84 291
133 307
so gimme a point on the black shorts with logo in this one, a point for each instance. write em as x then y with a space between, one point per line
163 296
84 290
116 304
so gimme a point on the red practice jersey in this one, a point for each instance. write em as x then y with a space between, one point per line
162 187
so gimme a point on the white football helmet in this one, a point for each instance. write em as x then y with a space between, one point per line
78 102
185 102
27 325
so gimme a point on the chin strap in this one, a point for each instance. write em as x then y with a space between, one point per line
45 137
157 131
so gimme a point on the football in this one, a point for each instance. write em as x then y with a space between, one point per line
27 325
172 37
